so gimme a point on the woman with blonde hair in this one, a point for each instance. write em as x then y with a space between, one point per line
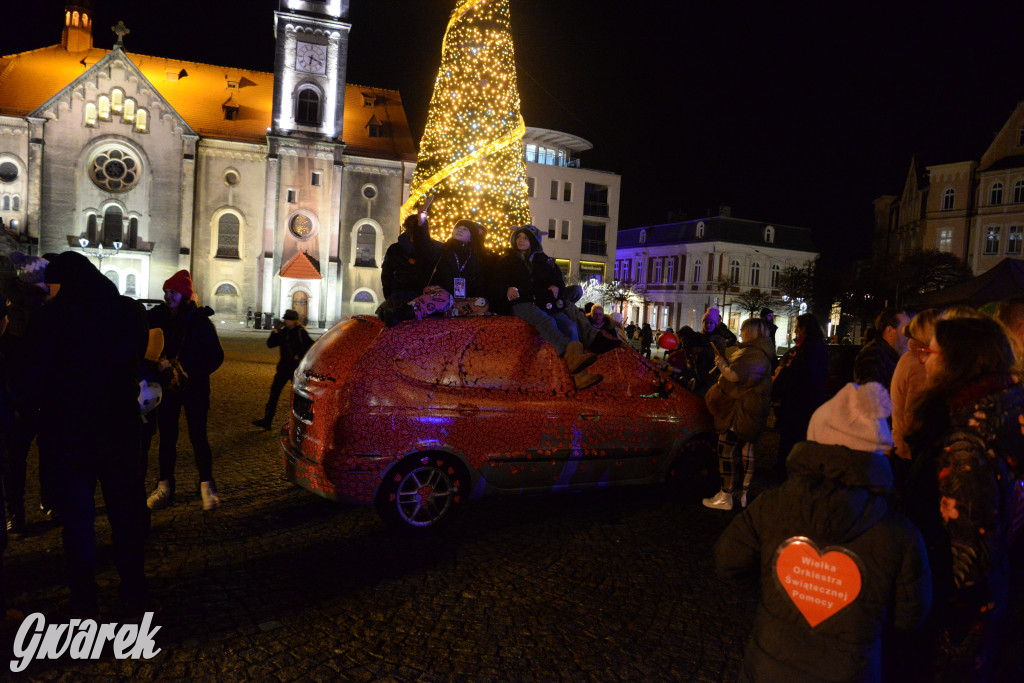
740 402
910 379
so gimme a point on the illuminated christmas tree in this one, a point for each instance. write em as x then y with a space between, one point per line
471 156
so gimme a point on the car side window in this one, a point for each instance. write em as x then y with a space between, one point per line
513 358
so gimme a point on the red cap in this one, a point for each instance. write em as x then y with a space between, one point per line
180 282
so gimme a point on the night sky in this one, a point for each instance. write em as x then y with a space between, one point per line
796 113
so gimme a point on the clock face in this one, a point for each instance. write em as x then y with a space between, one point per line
311 58
301 226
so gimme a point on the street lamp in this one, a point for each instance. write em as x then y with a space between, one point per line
99 253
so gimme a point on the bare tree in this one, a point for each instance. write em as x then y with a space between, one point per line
753 301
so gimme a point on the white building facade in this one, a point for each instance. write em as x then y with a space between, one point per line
682 269
577 208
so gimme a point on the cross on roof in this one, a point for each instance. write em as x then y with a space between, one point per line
121 30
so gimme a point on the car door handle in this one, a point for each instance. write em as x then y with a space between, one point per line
592 417
467 410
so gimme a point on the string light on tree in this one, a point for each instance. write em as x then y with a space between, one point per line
471 156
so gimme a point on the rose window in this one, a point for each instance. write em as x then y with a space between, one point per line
302 227
115 169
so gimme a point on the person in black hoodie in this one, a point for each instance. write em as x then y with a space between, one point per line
815 620
83 375
406 270
460 270
293 340
191 339
529 284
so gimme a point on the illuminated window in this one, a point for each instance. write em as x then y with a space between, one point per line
657 272
141 120
755 274
996 195
116 100
992 239
307 107
696 270
670 271
531 153
776 272
67 18
228 228
90 114
129 285
1018 192
734 271
945 244
947 199
1013 239
129 111
74 18
363 297
366 247
104 108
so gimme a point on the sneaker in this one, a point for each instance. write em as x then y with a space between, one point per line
721 501
16 526
211 501
263 423
162 497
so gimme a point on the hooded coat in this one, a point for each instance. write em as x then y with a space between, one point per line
83 353
531 275
460 259
409 262
741 405
835 497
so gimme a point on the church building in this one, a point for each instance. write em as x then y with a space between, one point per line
276 190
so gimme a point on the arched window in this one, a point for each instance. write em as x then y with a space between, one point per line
1018 192
133 233
657 272
996 195
113 277
363 297
129 285
776 272
74 18
116 100
67 18
5 204
947 199
104 108
16 203
90 114
670 269
696 271
226 299
307 107
755 274
141 120
734 272
129 111
643 237
227 236
769 234
366 246
113 225
700 229
91 229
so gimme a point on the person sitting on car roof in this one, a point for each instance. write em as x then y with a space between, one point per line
531 286
406 270
460 270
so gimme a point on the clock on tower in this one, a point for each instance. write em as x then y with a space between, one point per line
311 58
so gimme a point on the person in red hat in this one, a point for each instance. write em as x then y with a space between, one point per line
192 352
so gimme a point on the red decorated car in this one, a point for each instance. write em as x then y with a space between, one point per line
423 417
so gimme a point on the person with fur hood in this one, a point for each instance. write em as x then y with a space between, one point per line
740 402
529 283
190 339
827 528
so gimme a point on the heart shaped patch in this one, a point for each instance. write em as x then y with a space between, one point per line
819 585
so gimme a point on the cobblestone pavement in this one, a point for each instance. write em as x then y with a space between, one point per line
281 585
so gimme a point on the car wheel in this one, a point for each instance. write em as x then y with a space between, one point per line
422 493
694 472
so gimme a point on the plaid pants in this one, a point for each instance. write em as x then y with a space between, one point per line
732 449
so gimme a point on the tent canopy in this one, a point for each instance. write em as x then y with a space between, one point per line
1003 281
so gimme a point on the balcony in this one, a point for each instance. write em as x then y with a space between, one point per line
596 247
598 209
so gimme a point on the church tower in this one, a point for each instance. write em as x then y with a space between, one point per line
309 67
77 34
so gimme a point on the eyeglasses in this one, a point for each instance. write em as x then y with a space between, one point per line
924 352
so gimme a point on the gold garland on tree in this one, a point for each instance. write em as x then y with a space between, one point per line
471 157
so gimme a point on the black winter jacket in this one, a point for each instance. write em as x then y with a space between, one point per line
409 262
191 338
875 363
294 342
835 497
459 260
531 275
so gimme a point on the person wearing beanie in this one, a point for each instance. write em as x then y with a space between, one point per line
293 341
82 375
191 342
835 564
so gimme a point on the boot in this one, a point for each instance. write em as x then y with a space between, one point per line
161 497
586 379
211 501
721 501
576 358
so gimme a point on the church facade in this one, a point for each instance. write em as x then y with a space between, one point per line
276 190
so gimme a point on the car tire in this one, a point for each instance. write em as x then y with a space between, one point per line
694 471
422 493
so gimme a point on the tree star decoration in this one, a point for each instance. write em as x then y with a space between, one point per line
471 156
